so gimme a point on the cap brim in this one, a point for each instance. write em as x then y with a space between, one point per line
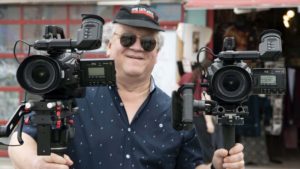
138 23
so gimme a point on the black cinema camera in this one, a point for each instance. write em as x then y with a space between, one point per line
230 81
61 75
54 80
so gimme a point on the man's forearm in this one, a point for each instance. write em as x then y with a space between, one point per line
204 166
22 157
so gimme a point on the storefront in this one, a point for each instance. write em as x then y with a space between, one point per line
281 127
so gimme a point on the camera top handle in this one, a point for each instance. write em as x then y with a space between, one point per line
89 37
270 48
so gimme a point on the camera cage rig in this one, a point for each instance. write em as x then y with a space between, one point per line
229 112
52 120
50 115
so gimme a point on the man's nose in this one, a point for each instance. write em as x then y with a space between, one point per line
137 45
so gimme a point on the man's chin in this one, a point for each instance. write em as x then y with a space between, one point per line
135 73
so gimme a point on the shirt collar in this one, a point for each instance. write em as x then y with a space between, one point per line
152 84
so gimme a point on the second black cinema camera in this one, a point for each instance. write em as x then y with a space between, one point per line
229 82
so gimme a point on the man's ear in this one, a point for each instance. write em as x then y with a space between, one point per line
156 57
107 52
108 48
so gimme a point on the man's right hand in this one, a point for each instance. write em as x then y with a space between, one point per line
25 156
53 161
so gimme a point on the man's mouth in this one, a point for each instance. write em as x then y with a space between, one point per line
135 57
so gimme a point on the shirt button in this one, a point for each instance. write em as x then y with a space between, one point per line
129 129
127 156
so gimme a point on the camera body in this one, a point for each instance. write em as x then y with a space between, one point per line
62 75
269 81
233 83
230 80
95 72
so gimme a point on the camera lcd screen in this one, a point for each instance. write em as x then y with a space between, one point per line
268 80
96 71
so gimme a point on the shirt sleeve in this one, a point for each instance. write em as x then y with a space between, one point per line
29 128
190 154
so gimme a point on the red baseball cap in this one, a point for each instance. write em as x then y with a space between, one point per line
138 16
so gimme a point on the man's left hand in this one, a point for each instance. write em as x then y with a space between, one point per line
232 160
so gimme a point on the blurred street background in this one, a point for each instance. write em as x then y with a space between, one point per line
271 133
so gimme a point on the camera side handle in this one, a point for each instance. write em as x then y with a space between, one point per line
6 130
229 136
187 97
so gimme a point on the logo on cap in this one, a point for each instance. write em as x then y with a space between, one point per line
143 11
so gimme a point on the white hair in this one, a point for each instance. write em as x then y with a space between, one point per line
108 31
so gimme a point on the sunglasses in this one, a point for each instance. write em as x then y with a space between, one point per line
148 43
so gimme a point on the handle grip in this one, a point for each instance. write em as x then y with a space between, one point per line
229 136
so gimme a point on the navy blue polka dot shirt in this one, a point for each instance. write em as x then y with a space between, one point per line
104 139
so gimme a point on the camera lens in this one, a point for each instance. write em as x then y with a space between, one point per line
39 74
231 84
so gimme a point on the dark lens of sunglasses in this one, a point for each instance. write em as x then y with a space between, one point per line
127 39
148 43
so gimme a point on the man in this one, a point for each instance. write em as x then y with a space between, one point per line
127 126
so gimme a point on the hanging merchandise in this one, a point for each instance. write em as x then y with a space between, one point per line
274 120
275 125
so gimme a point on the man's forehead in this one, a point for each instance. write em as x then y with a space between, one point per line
120 27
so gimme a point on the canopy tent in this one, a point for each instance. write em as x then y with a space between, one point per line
229 4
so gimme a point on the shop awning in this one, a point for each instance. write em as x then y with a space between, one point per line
229 4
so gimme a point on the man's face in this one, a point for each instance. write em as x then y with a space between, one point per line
132 61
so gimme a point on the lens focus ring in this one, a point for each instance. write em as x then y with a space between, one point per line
39 74
231 84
